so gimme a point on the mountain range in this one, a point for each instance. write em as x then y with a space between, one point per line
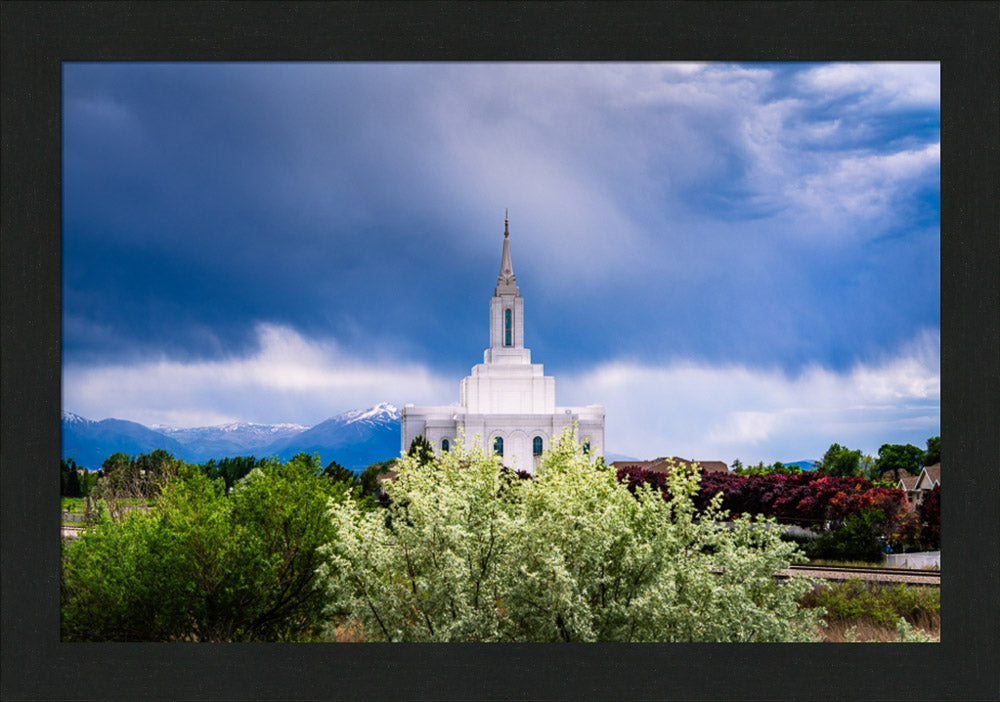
354 439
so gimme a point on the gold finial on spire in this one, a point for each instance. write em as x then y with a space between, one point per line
505 232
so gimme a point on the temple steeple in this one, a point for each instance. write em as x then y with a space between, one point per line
507 312
506 281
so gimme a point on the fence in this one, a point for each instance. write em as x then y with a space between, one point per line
924 560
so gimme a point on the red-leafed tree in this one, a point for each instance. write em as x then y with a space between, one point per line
930 515
812 497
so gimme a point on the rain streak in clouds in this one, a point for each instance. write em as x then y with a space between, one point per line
736 260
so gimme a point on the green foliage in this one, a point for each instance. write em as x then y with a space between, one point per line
892 458
69 480
421 450
125 480
761 469
231 469
204 566
338 473
841 461
906 633
867 469
470 552
855 601
858 538
933 454
369 477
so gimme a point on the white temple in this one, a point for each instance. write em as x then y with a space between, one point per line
507 403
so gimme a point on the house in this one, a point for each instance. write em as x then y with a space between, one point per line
929 477
916 486
908 483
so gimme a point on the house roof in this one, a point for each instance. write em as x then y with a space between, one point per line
929 476
907 481
663 464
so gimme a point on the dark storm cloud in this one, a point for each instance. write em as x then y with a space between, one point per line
769 216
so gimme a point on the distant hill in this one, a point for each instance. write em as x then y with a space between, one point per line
354 439
804 465
88 442
610 458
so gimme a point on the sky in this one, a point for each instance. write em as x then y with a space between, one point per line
736 260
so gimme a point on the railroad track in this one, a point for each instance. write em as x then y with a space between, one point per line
892 575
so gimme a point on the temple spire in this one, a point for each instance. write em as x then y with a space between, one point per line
506 281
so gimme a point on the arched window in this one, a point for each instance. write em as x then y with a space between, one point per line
445 446
508 327
498 446
586 446
536 446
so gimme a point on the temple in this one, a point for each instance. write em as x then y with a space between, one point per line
507 404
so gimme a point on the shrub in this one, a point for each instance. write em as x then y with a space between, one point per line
854 602
204 566
469 552
856 540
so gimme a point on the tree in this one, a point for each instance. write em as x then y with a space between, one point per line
859 538
231 469
933 454
469 552
866 466
421 449
205 566
841 461
930 517
892 458
337 473
69 479
128 481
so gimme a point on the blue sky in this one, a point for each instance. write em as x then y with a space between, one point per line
736 260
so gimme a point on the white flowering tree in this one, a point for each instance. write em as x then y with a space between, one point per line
467 551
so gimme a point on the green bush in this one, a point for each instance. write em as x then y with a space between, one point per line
467 551
858 539
204 566
884 605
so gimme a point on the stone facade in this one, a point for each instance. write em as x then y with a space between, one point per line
506 397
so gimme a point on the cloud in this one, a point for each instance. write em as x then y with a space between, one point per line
695 410
723 412
894 85
289 378
765 214
864 187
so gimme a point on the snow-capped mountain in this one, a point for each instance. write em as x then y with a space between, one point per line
381 413
70 418
88 442
354 439
350 438
238 431
233 439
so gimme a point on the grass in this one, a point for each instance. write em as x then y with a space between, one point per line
73 505
861 611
